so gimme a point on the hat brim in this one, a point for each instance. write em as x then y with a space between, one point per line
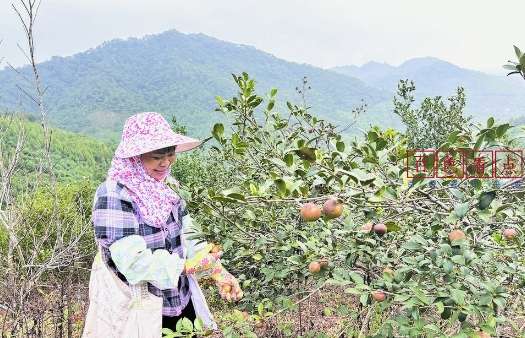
183 144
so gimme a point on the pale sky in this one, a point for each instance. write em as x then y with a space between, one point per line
472 34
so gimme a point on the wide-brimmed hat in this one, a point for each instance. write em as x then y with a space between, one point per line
146 132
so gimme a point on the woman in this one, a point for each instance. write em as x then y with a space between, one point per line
140 222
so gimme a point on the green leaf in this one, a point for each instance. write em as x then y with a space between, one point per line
411 246
364 299
485 298
392 226
488 286
440 306
199 325
295 259
448 265
311 172
480 140
490 122
485 215
236 196
518 52
453 136
288 159
390 193
343 309
421 296
458 259
357 278
457 193
500 301
461 209
281 186
485 199
218 128
458 296
501 130
306 153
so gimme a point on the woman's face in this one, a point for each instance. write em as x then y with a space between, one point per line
157 163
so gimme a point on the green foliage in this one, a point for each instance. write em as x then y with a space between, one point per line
73 213
75 156
428 126
185 328
517 67
439 288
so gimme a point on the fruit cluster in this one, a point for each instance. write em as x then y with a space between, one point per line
332 208
380 229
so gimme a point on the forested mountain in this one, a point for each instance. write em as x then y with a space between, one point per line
487 95
74 156
179 74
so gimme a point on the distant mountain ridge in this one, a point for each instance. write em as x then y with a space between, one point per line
180 74
487 95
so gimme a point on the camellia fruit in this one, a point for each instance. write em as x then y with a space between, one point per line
323 262
389 271
456 234
215 248
379 295
310 212
380 229
314 267
510 233
366 227
483 334
333 208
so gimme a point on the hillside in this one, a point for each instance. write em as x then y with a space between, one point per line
487 95
180 74
74 156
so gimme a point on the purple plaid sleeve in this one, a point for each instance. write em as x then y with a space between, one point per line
113 215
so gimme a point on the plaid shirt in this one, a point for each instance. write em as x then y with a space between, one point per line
115 216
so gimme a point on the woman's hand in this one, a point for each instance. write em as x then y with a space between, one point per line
202 261
229 287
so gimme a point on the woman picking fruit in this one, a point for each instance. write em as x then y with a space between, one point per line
141 223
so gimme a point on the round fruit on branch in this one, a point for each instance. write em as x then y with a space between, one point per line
323 263
215 248
314 267
366 227
379 295
380 229
333 208
456 234
510 233
310 212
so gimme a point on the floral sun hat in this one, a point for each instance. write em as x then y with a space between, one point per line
143 133
146 132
